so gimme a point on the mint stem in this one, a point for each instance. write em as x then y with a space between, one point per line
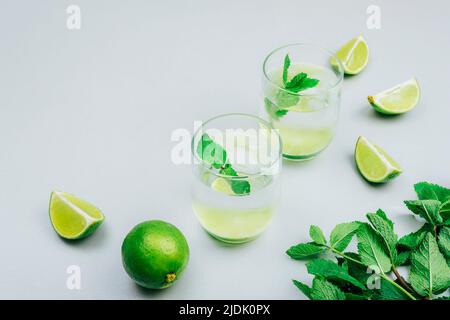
385 277
343 255
401 280
409 295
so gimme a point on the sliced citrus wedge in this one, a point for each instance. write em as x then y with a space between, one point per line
223 186
398 99
353 55
374 164
72 217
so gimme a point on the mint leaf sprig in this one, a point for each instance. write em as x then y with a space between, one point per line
298 82
284 99
426 252
213 153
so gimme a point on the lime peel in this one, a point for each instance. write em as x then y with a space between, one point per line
354 55
397 100
73 218
221 185
155 254
374 164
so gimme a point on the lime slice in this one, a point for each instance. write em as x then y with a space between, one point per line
398 99
304 105
353 55
72 217
374 164
222 185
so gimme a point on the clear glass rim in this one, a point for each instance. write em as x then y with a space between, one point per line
235 114
310 45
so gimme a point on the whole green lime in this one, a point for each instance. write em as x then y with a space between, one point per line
154 254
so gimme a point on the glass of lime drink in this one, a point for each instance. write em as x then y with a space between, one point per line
236 187
301 97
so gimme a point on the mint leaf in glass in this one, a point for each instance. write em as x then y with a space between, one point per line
285 99
280 113
286 65
273 110
288 97
301 82
212 153
295 83
239 186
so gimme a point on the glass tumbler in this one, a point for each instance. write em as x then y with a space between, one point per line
236 173
301 97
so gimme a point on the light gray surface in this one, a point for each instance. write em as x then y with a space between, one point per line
91 112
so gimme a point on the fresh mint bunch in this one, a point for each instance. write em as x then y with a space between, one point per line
426 253
288 97
216 156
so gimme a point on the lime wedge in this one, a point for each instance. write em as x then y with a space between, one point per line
72 217
304 105
222 185
374 164
398 99
353 55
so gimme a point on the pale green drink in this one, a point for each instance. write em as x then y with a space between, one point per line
233 224
306 119
222 210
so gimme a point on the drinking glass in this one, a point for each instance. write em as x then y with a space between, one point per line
236 187
306 119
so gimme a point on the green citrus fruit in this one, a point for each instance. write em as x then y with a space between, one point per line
354 55
154 254
223 186
398 99
72 217
374 164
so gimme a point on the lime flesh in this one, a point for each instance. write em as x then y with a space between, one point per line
398 99
154 254
72 217
374 164
223 186
353 55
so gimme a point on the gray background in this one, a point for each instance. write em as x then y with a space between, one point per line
91 112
